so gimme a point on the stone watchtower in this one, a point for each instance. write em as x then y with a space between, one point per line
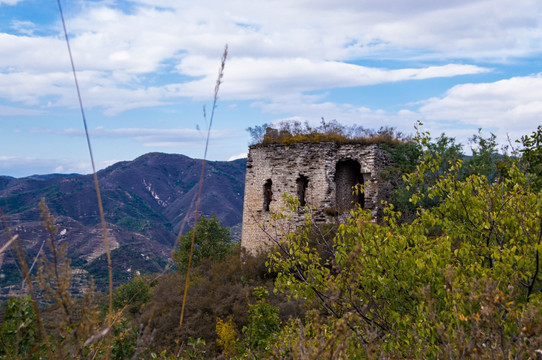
318 174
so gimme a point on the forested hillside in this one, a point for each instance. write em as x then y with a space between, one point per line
145 202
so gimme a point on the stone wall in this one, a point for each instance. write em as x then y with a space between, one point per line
322 173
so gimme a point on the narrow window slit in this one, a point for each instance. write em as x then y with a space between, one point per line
267 194
302 183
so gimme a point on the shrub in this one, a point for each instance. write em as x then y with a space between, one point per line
227 335
218 289
461 280
212 241
291 132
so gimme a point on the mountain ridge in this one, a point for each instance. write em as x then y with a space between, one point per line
145 202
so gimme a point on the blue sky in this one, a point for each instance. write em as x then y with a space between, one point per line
147 68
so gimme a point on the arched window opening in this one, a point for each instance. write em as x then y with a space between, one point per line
302 183
347 176
267 194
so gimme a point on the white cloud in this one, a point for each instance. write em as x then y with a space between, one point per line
271 78
29 88
350 29
244 79
248 78
509 108
9 2
23 27
298 46
20 53
311 109
505 107
236 157
26 166
286 57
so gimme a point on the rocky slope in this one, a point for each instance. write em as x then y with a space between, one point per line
145 202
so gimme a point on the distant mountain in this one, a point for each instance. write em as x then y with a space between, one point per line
145 202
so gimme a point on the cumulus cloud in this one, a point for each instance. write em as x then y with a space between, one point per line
507 106
349 29
19 53
249 78
312 109
117 49
288 60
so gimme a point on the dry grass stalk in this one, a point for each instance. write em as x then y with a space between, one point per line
22 261
187 281
10 241
100 206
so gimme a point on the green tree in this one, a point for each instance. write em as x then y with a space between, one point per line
212 241
462 280
531 156
263 325
133 294
19 330
485 157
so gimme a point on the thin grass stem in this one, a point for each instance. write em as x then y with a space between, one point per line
96 185
187 280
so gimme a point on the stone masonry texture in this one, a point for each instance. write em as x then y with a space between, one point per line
322 173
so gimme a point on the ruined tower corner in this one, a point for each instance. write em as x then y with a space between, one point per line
321 175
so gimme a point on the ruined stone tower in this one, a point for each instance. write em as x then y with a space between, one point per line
318 174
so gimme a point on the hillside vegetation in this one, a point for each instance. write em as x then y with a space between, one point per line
291 132
452 271
145 203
